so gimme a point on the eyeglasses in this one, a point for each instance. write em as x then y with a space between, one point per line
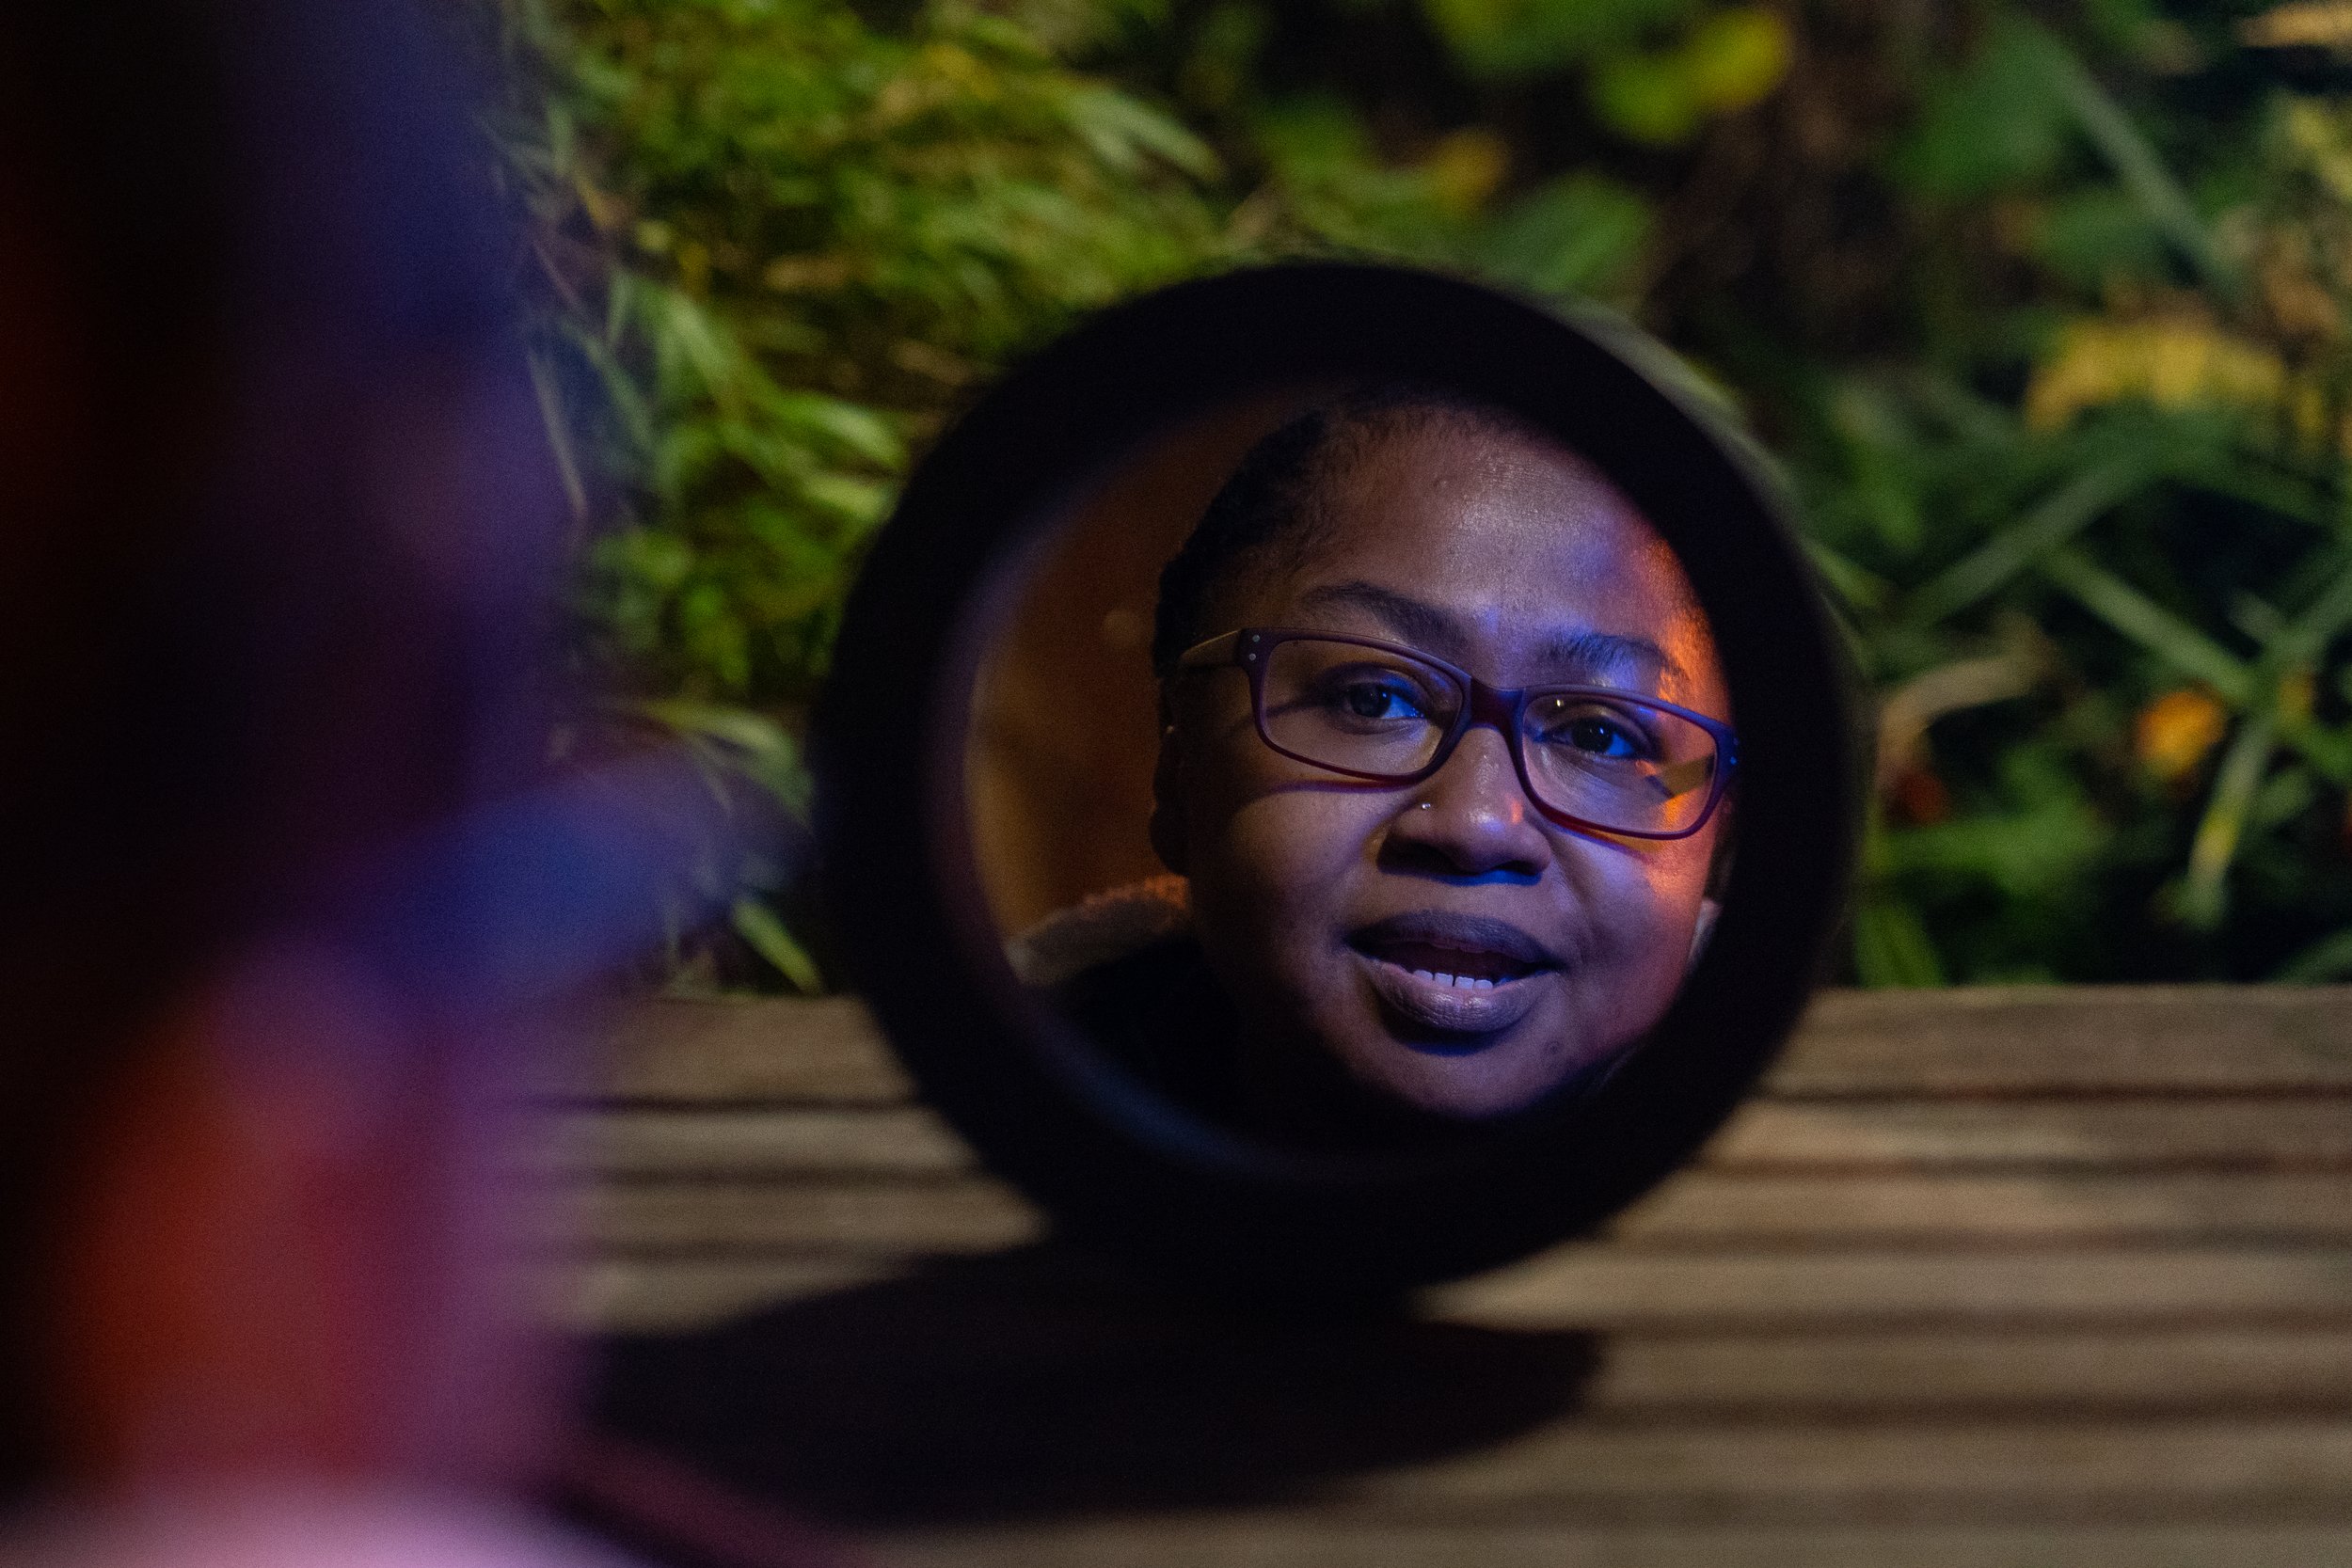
1588 757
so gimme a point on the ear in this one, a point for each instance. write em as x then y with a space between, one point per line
1167 812
1708 910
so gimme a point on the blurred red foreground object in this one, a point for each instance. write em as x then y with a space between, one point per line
288 909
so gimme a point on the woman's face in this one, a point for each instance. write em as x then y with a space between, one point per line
1324 904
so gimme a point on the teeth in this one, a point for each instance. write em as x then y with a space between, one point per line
1458 982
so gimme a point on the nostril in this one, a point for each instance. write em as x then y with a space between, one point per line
1456 844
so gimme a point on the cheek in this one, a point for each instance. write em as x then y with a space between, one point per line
1272 867
1287 854
1641 908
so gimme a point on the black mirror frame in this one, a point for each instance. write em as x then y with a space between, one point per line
894 834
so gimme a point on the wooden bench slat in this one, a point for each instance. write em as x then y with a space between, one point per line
595 1296
2109 1039
2234 1369
823 1050
1992 1040
1300 1539
1740 1209
2092 1134
2258 1468
1767 1135
722 1142
1702 1209
892 1218
1601 1288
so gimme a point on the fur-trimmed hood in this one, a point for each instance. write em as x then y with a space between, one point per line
1105 926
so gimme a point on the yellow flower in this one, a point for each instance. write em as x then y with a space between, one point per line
2309 25
1464 168
2173 362
1735 58
2174 732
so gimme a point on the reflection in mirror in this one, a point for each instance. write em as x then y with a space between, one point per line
1354 769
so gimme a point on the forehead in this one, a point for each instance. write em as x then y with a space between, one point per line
1519 552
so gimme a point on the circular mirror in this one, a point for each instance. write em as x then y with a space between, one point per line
1335 778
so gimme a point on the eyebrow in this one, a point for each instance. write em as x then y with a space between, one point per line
1425 626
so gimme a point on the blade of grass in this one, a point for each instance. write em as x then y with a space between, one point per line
1892 947
765 934
543 389
2270 492
2060 516
2329 751
1857 585
2315 626
2205 892
2156 628
1969 415
2295 647
2329 959
2137 163
1907 711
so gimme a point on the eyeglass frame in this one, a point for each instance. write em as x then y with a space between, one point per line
1249 648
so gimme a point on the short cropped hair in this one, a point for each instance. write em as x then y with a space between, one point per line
1277 499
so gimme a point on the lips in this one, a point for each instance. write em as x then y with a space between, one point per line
1457 974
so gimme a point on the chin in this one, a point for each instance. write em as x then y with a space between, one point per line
1466 1088
1482 1083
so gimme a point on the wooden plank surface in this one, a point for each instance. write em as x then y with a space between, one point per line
1978 1278
2121 1134
624 1142
1835 1290
1287 1539
2299 1131
1704 1209
1600 1289
2093 1040
749 1053
2237 1369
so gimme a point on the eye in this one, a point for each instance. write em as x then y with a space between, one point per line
1365 699
1596 732
1370 694
1600 735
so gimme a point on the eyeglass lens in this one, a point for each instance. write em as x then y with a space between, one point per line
1614 762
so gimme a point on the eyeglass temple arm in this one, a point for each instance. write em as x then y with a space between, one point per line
1685 777
1213 653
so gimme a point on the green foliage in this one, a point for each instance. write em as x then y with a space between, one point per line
782 243
781 240
1728 60
1523 36
1578 235
1657 70
2001 119
2150 538
2044 314
817 233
